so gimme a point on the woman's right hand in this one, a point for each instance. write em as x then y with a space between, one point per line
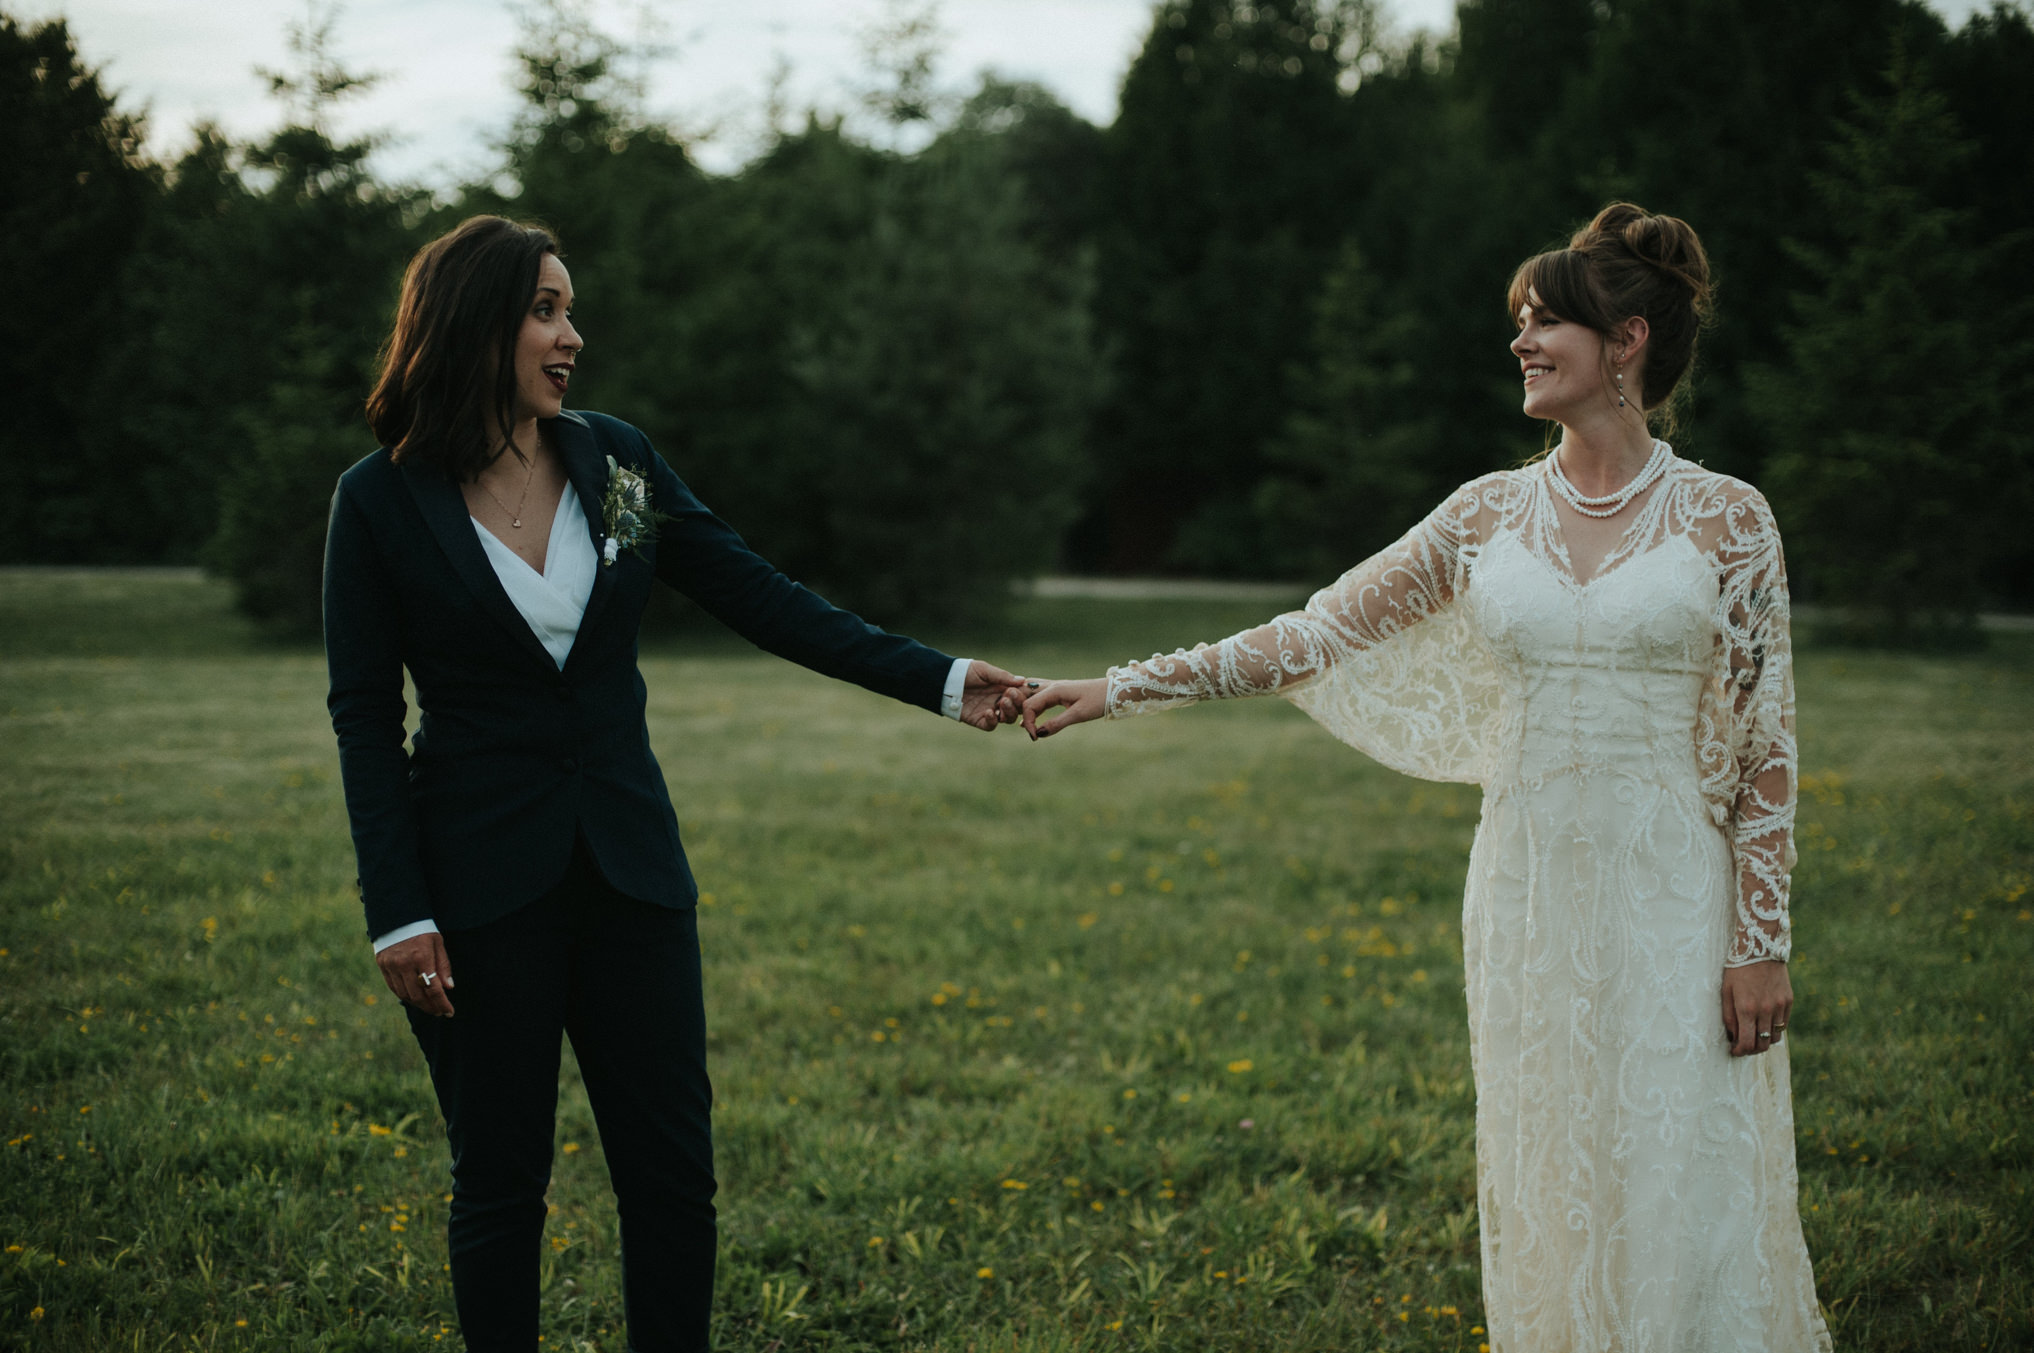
1083 700
404 966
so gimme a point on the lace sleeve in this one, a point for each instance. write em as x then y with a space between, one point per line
1397 587
1749 751
1382 657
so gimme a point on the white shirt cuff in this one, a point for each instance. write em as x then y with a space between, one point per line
956 682
404 932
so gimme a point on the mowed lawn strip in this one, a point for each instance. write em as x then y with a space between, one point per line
1151 1036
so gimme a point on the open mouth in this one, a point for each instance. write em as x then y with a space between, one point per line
560 376
1533 373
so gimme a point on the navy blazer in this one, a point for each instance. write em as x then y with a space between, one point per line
514 757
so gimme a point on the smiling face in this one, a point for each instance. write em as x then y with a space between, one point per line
546 345
1562 365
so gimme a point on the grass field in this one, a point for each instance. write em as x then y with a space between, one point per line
1151 1037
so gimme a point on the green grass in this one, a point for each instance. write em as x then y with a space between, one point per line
1151 1037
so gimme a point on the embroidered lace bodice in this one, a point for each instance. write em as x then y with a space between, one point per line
1469 651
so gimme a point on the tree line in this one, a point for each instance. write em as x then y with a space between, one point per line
1251 328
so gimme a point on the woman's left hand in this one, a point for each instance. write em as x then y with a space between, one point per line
1757 1002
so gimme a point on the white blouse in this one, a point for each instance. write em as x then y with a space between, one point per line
552 602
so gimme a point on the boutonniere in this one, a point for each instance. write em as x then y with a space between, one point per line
626 516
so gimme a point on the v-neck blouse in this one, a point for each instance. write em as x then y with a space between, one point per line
554 601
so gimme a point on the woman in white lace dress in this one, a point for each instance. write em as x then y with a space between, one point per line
1598 639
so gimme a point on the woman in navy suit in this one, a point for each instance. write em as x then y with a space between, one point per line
524 837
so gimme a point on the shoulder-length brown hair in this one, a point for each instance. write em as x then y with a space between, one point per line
447 391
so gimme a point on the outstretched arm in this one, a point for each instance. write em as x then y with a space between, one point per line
1395 588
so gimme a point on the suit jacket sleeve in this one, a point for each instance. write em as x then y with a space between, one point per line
703 557
363 653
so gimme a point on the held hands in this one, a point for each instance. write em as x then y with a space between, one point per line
406 966
1079 700
1757 1002
991 697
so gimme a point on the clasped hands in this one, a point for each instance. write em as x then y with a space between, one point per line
993 697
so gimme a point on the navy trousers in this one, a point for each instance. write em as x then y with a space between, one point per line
621 979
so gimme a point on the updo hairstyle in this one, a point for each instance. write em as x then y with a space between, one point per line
1627 262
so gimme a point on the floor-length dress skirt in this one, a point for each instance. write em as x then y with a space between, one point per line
1636 1184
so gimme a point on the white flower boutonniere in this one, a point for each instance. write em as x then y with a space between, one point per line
626 516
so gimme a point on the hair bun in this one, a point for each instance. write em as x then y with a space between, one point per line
1667 243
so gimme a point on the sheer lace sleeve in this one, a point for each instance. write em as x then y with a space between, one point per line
1748 751
1382 656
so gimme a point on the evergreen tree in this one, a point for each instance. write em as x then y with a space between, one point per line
76 195
872 350
1983 71
1899 477
1352 469
310 260
1228 188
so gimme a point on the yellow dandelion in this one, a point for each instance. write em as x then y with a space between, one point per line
570 1148
875 1242
1241 1065
985 1272
1015 1184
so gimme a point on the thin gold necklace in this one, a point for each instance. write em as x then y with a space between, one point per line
515 516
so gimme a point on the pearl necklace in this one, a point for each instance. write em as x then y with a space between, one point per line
1610 504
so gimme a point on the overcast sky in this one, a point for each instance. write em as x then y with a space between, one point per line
445 95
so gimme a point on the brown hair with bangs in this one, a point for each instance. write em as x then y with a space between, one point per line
447 391
1628 262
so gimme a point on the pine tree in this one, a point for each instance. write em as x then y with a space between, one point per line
1896 478
75 198
1228 189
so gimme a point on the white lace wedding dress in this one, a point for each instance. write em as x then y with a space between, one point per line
1633 735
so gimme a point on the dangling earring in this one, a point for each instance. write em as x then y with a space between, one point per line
1620 388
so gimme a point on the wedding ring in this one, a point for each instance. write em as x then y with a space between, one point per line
428 977
1765 1035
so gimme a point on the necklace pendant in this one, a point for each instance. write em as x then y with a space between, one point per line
517 523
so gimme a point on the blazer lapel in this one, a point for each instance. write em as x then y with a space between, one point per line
586 467
444 511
